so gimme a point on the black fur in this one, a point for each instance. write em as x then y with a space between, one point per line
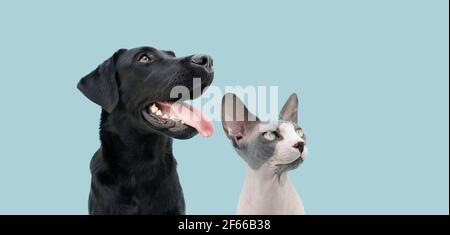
134 171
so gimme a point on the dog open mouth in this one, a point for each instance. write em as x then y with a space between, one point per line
177 116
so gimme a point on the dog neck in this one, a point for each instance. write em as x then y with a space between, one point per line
124 145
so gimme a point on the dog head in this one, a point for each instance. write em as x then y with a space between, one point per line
137 84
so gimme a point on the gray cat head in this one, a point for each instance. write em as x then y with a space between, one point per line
279 145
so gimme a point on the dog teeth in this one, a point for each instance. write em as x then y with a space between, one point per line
154 109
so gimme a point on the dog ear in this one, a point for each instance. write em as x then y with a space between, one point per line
100 85
290 109
236 118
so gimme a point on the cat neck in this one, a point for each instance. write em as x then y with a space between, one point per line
265 176
263 193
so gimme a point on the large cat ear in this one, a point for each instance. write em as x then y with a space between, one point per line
236 118
290 109
100 85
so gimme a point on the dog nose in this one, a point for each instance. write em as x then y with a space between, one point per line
299 146
202 60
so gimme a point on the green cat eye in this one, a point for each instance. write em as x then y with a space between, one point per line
300 133
270 135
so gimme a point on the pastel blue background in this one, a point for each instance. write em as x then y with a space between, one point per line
372 78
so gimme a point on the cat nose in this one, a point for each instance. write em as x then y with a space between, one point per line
299 146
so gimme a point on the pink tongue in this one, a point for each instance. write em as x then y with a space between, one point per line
190 116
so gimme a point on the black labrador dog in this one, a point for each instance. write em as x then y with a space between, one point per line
134 171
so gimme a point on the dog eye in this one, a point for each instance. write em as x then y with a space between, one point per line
270 135
300 132
145 59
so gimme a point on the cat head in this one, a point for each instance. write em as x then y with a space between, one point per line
279 145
